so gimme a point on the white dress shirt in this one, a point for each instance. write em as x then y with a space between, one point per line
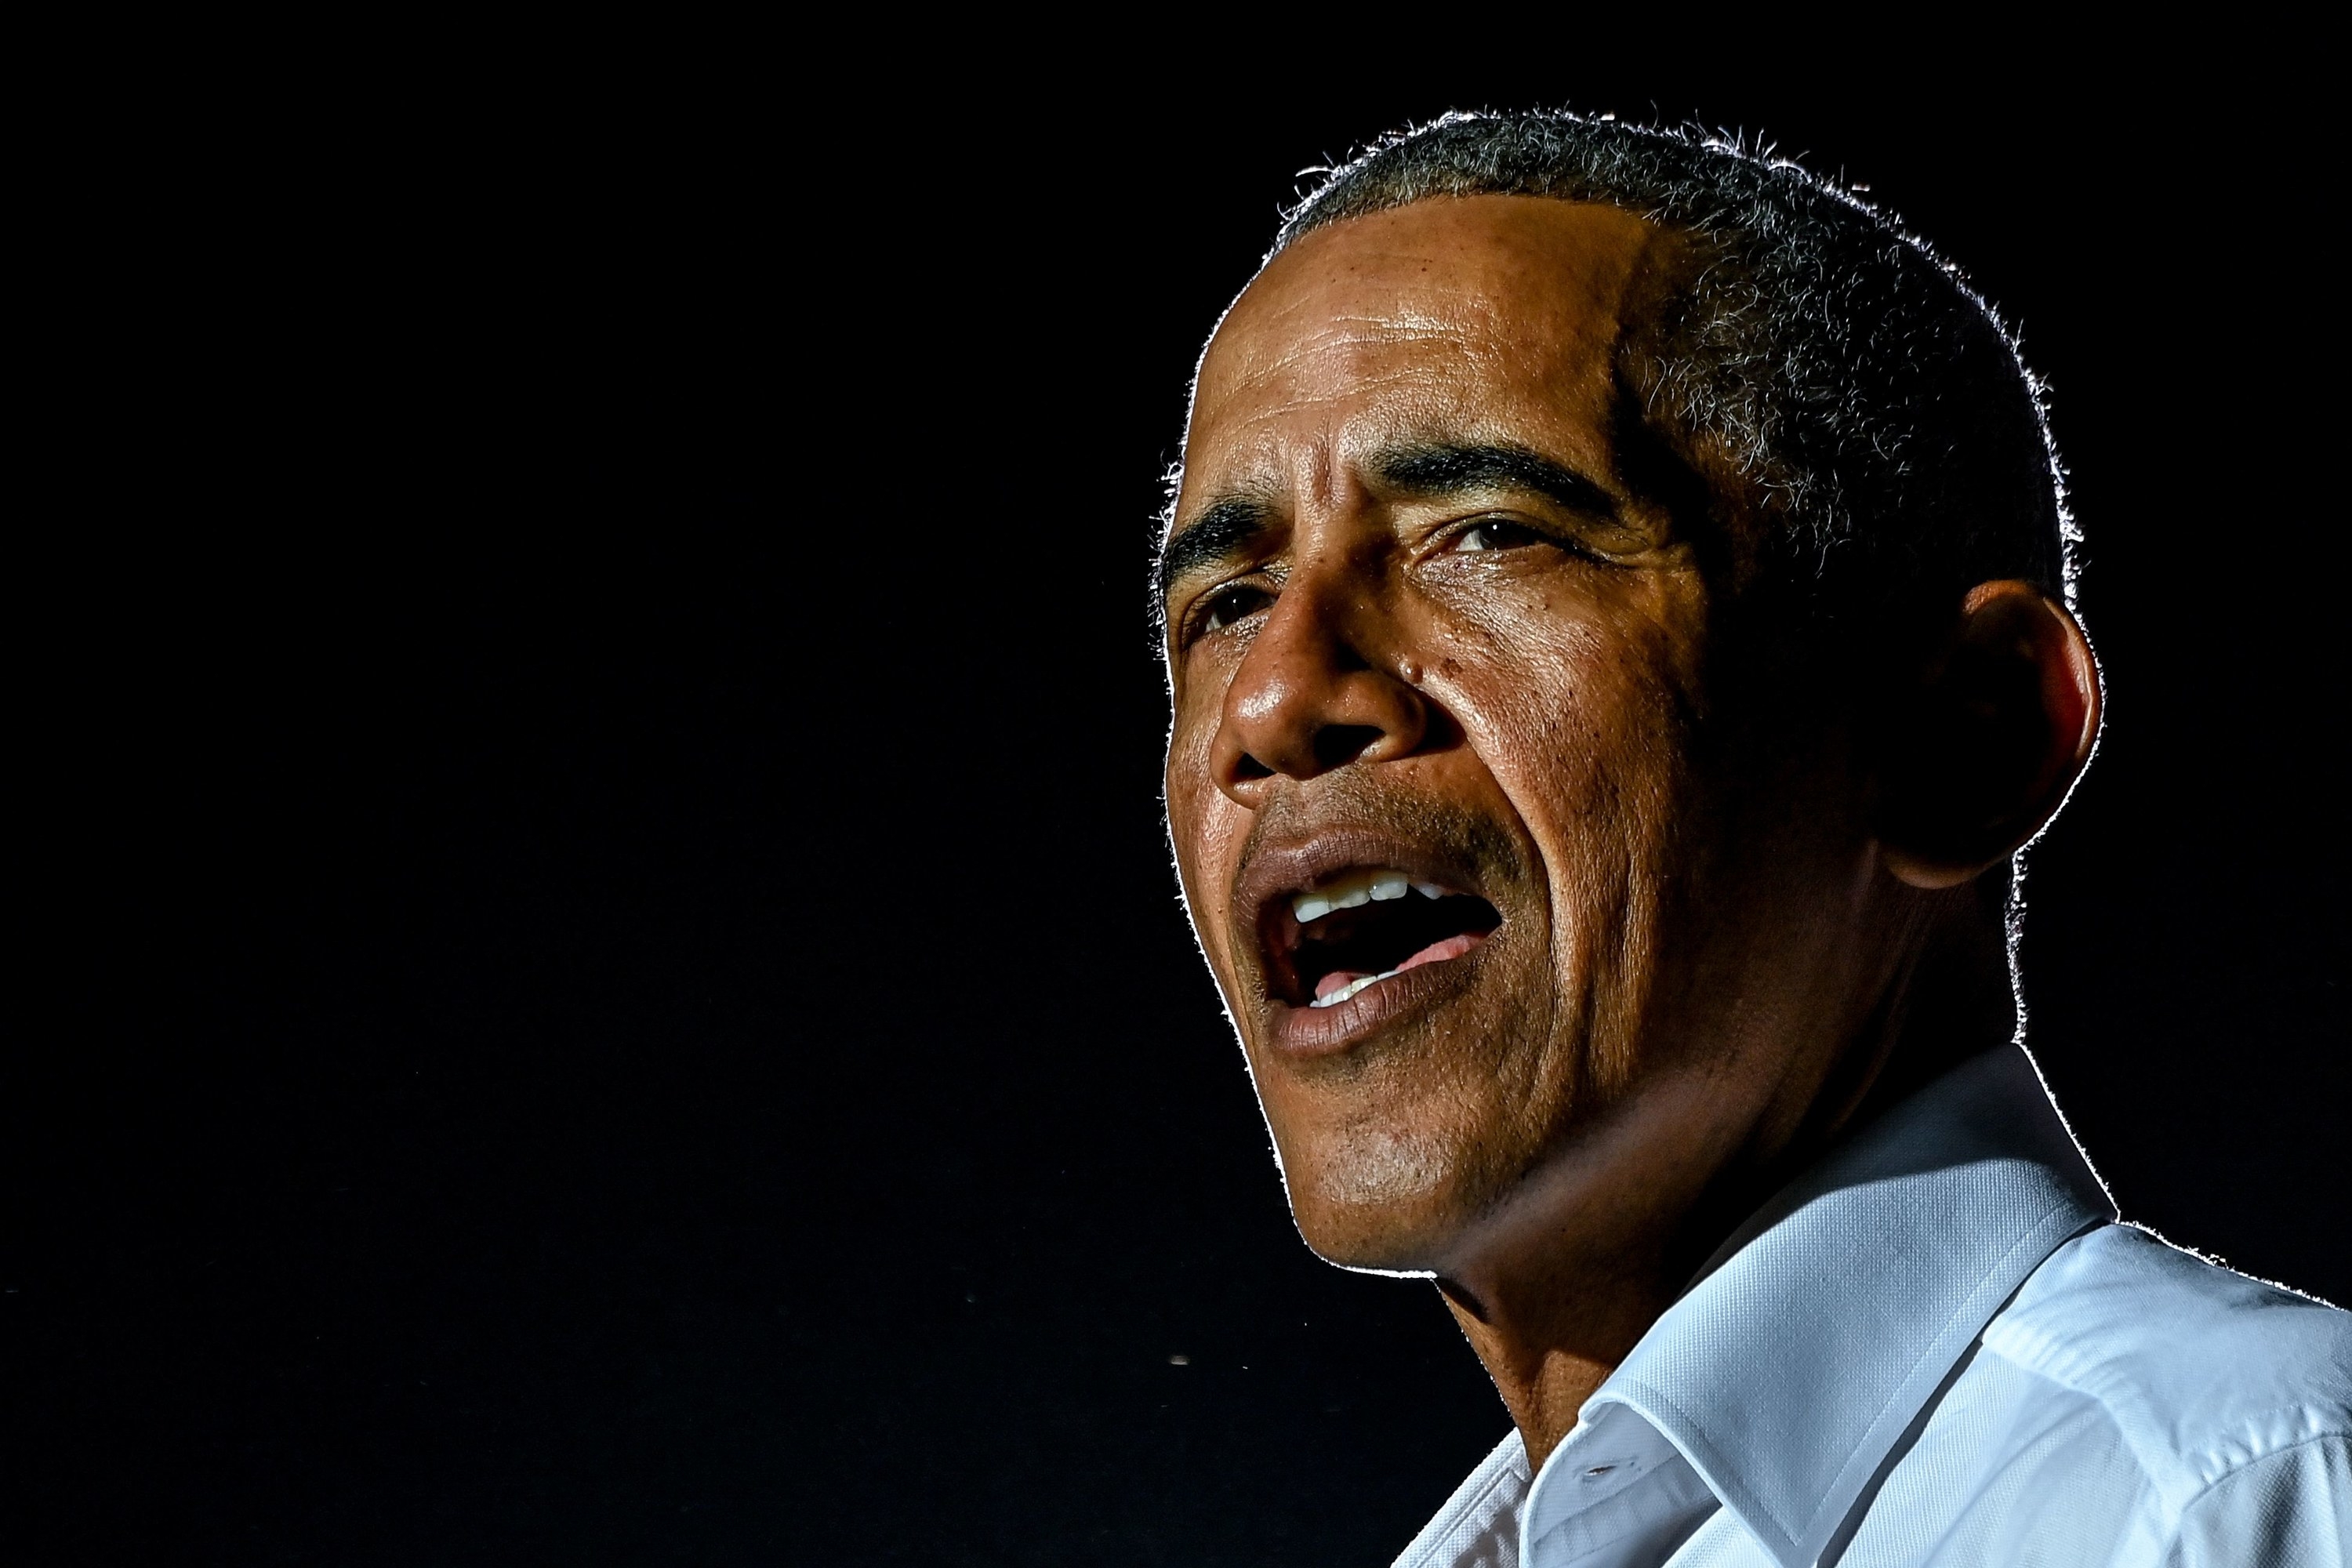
1935 1348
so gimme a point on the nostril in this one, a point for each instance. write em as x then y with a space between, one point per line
1247 767
1338 745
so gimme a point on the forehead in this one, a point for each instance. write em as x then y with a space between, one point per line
1481 316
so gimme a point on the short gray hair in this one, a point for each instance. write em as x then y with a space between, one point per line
1879 402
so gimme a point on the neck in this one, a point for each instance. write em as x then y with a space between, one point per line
1573 1298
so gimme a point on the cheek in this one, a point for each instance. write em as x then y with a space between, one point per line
1584 728
1206 831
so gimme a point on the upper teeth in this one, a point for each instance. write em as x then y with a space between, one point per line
1350 888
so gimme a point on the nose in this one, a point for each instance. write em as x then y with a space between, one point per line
1314 694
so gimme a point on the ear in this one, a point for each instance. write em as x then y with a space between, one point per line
1984 749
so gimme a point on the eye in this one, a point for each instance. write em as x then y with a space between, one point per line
1235 601
1496 533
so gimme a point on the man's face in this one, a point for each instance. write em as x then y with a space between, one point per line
1437 779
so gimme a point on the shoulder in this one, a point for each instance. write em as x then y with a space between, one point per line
2200 1373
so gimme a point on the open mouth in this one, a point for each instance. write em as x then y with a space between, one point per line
1364 925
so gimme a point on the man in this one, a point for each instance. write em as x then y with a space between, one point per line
1616 608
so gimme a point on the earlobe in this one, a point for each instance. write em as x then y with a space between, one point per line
1986 745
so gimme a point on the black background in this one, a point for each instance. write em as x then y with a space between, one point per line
603 980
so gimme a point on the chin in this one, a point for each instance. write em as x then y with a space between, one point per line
1378 1202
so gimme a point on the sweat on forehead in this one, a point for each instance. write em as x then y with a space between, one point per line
1520 291
1526 253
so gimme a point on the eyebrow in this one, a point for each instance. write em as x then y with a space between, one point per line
1431 470
1224 530
1229 526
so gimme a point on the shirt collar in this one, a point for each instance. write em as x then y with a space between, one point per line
1787 1373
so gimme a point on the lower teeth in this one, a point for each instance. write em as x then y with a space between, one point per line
1349 989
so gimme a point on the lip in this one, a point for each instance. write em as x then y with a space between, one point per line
1261 902
1298 1031
1274 871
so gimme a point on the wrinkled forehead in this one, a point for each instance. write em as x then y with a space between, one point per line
1464 314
